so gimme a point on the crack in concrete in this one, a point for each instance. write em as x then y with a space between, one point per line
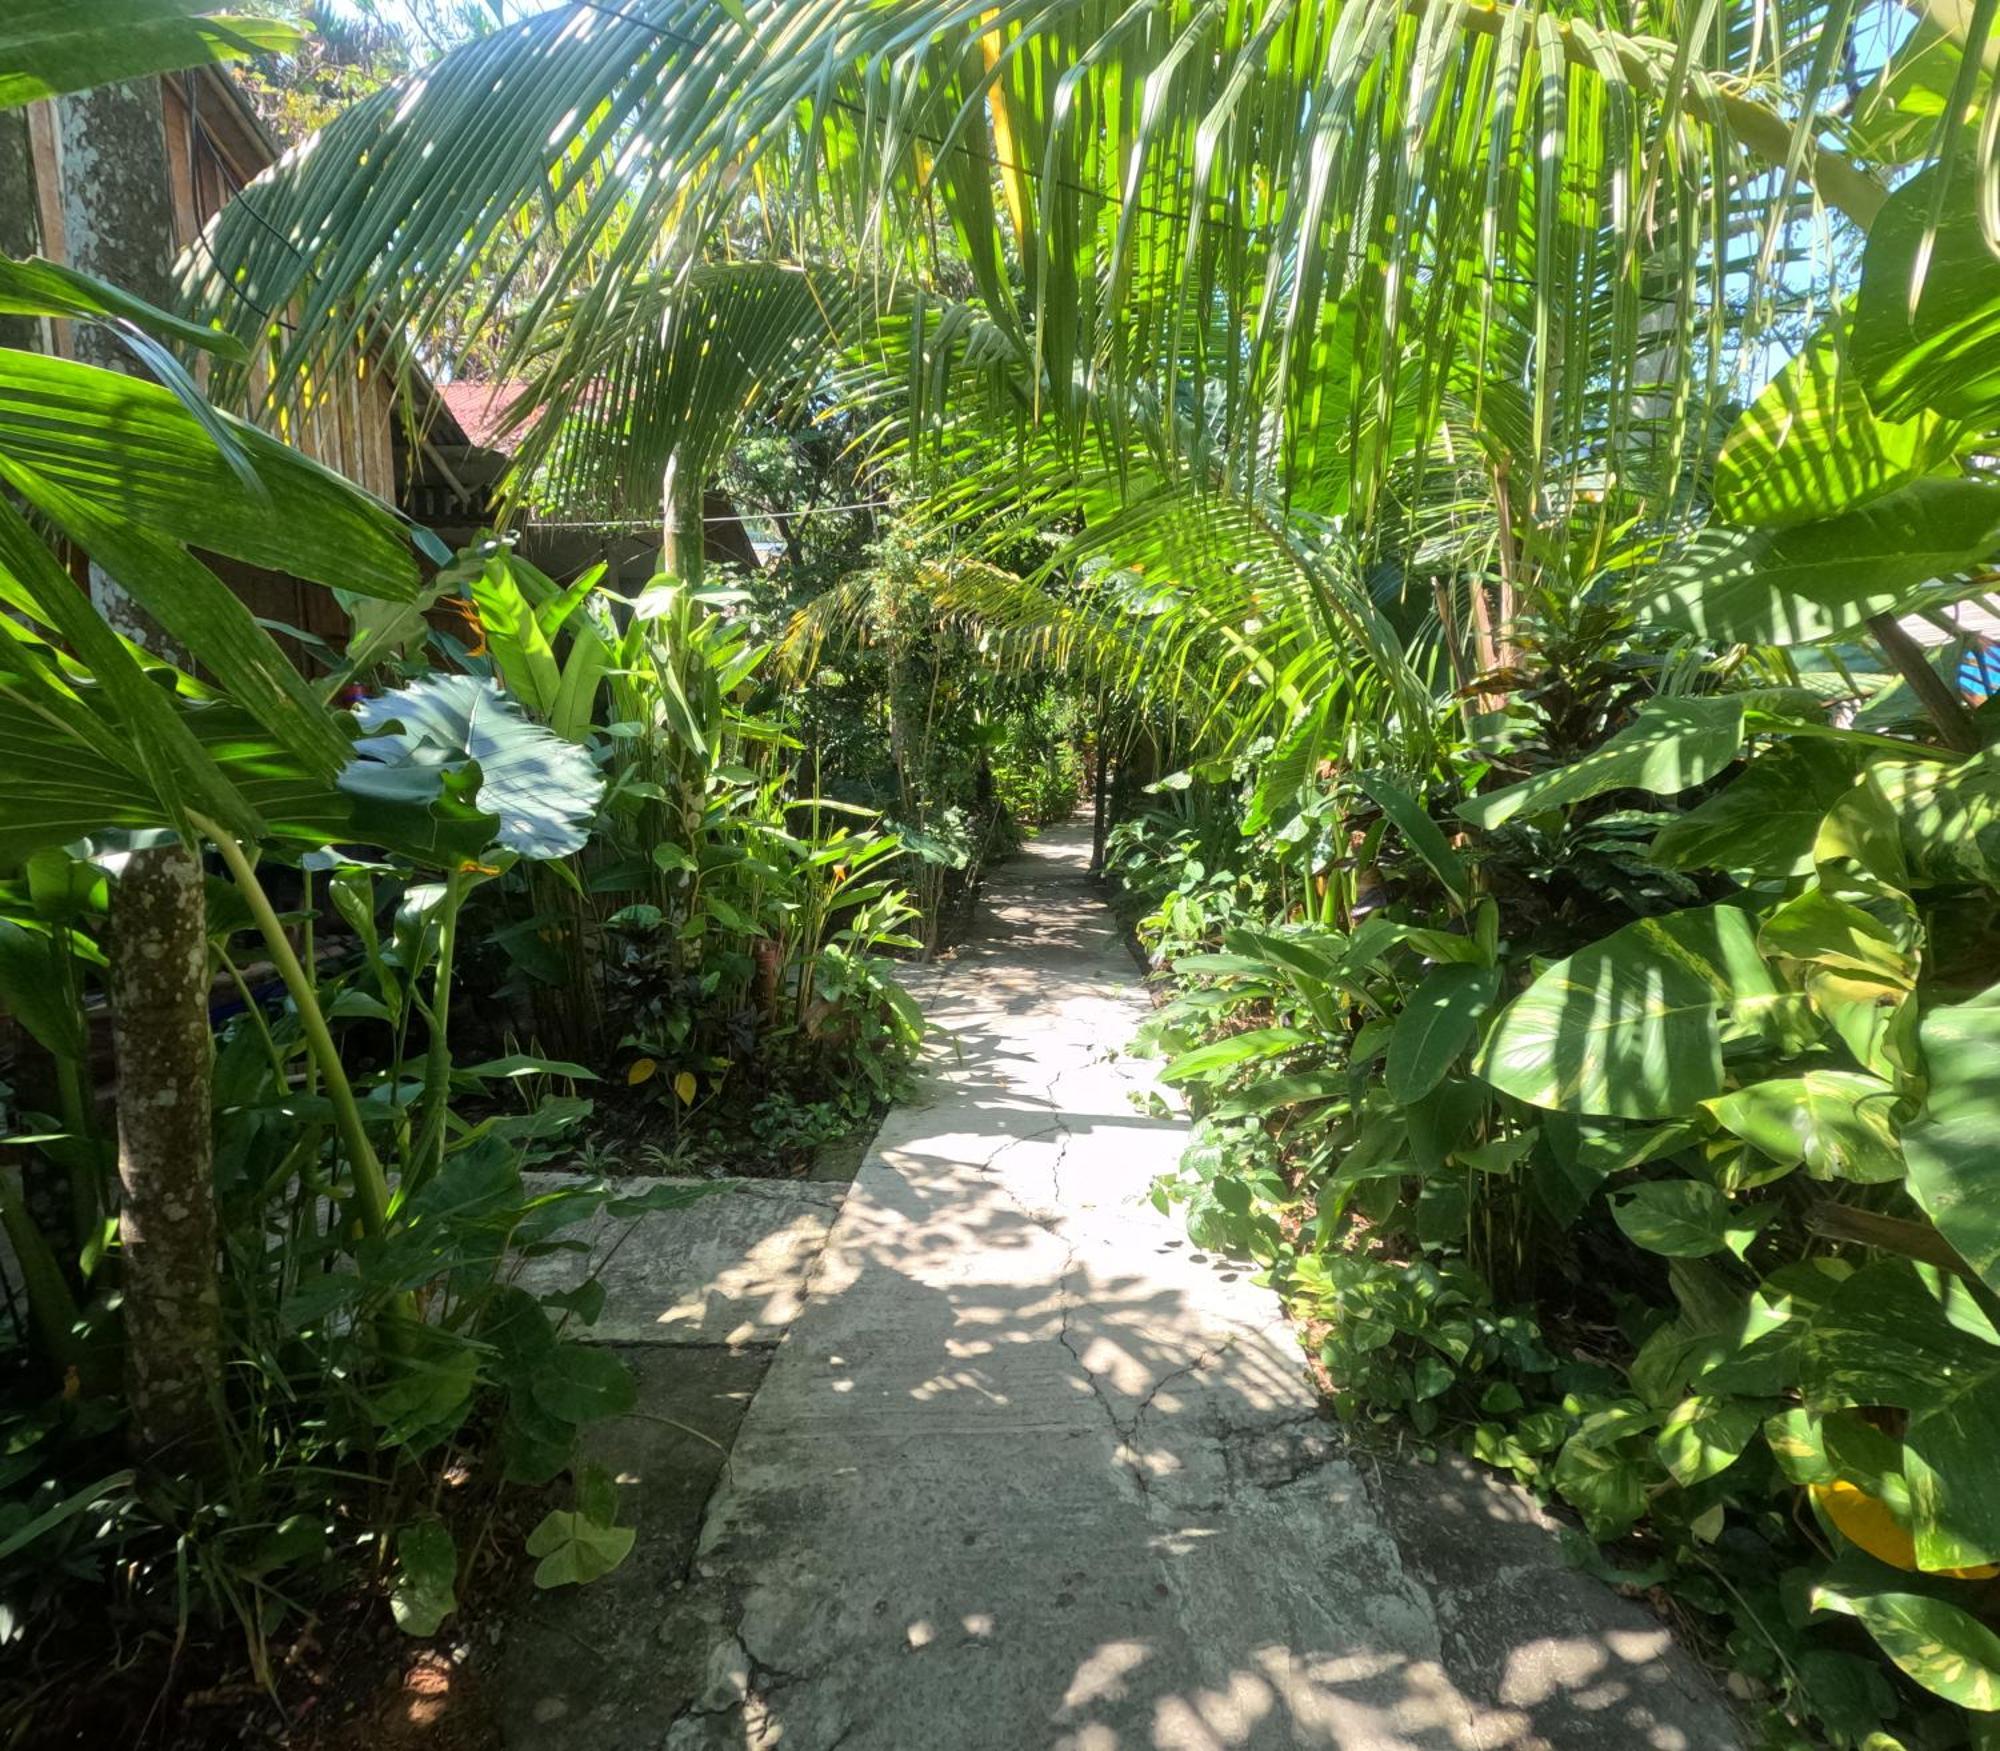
1126 1451
761 1681
1125 1431
766 1679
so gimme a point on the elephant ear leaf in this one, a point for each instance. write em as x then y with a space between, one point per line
1633 1026
1672 745
1815 580
438 733
1954 1172
1810 446
1938 352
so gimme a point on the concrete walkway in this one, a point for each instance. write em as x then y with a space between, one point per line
1029 1472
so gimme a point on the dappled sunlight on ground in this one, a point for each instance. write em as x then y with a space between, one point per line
1030 1471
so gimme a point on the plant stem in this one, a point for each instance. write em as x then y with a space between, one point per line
1954 723
437 1056
371 1185
255 1011
73 1093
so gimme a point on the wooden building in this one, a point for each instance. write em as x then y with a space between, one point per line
162 158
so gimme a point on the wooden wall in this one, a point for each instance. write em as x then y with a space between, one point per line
215 146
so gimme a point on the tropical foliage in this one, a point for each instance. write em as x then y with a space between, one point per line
1474 476
366 1342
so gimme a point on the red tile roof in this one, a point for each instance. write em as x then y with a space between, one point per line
480 409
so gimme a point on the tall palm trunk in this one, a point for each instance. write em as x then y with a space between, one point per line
20 229
166 1218
118 223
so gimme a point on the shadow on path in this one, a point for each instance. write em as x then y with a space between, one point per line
1028 1471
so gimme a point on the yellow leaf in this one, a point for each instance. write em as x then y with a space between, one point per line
641 1071
684 1086
1867 1521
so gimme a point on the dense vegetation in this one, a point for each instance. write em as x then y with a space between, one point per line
1470 476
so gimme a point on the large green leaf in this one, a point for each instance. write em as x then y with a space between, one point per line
1816 580
543 789
1420 833
1954 1145
1911 1338
121 750
1764 822
132 449
1892 1334
48 47
1254 1046
46 288
577 1384
426 1587
1946 819
1672 745
1632 1026
1330 448
1943 350
1439 1020
588 662
520 650
1821 929
148 734
574 1548
1836 1122
1706 1436
33 993
1895 116
1941 1645
1838 1446
203 616
1810 446
1684 1219
1606 1468
1764 1354
62 788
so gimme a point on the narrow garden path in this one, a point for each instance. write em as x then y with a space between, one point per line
1027 1471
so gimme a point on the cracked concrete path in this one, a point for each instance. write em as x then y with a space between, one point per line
1027 1471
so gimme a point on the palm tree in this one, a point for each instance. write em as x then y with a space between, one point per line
1257 292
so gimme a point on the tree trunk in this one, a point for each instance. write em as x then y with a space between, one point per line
118 223
20 224
167 1222
117 200
682 546
117 215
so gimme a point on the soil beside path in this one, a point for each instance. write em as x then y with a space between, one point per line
1027 1471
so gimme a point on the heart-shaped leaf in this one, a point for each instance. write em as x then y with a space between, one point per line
575 1548
543 789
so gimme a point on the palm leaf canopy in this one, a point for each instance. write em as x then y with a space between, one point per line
1176 194
1341 262
49 47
